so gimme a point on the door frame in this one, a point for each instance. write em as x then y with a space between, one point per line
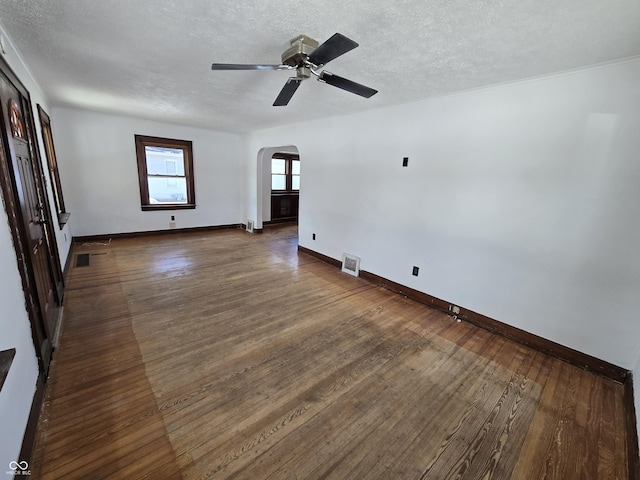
42 342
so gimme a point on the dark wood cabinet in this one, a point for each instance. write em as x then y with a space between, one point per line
284 206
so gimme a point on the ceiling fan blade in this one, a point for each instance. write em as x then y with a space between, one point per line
248 66
287 92
332 48
345 84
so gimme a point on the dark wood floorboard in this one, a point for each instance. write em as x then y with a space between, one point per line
230 355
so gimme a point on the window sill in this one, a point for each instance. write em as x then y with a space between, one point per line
63 218
171 206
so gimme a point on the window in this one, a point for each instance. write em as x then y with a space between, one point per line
165 171
285 173
52 162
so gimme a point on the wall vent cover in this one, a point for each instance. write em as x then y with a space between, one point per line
82 260
250 226
351 264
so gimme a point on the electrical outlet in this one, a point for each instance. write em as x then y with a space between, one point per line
455 309
415 271
405 161
313 236
172 224
173 218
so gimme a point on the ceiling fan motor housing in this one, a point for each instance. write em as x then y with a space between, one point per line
301 47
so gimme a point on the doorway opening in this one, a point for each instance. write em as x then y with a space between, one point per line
285 188
278 186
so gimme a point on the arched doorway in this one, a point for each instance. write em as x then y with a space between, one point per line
264 180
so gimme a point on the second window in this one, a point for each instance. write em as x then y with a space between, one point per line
165 170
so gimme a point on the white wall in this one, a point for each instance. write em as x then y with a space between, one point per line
15 330
520 202
97 161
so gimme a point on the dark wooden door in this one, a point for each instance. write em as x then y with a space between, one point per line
28 214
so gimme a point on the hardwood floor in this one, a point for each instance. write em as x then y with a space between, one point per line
230 355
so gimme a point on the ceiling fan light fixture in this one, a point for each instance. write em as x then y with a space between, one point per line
305 71
307 57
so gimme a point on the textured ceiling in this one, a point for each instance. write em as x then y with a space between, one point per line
152 58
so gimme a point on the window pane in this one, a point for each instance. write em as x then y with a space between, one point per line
295 167
277 165
295 182
278 182
161 190
164 161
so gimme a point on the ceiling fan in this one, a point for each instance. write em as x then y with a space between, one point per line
307 58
